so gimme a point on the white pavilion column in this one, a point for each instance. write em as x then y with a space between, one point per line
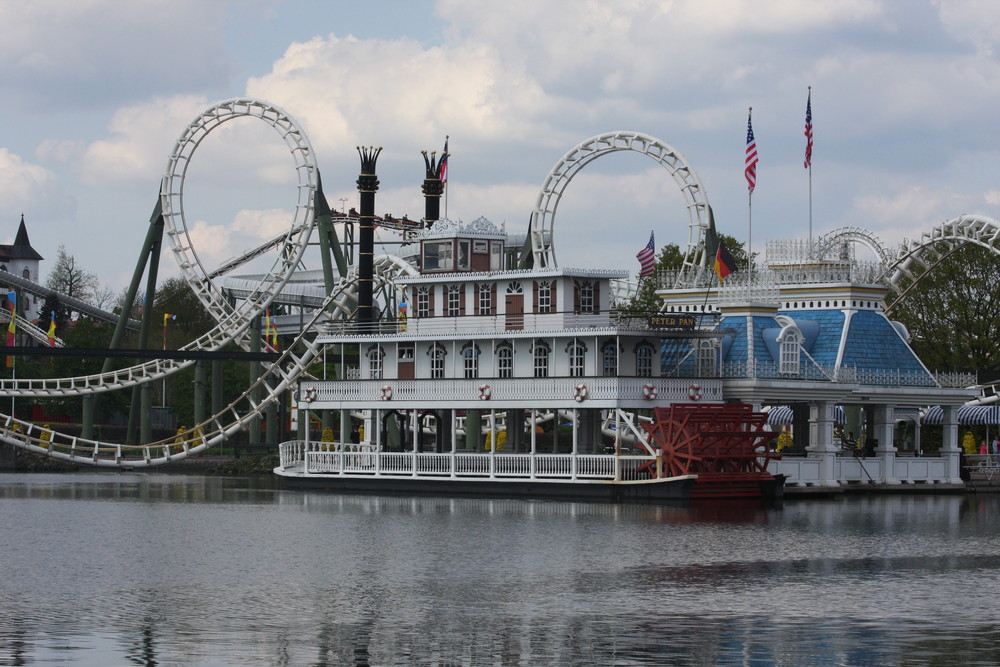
885 430
949 444
822 447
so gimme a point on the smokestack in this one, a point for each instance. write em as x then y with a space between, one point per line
367 187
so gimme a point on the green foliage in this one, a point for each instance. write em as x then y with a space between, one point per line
671 258
951 313
69 278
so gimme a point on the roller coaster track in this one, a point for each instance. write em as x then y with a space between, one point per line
70 302
559 178
28 327
918 258
232 322
278 378
253 297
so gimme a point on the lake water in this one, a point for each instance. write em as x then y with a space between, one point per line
157 569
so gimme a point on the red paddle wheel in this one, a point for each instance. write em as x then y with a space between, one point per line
726 445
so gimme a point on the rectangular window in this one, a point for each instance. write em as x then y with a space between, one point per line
644 361
496 256
438 256
463 255
706 358
480 247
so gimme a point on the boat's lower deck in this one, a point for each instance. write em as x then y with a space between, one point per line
596 476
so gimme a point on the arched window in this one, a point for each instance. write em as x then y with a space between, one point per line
577 352
437 354
505 361
541 359
644 360
423 301
585 296
375 356
454 300
790 339
26 274
543 295
470 360
485 299
609 359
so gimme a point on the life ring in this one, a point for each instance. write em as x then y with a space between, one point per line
649 391
309 395
485 392
581 393
694 391
386 393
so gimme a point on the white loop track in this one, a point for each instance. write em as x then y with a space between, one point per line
543 217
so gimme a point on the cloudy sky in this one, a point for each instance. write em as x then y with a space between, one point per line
96 93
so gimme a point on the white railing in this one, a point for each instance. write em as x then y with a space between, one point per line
511 389
327 458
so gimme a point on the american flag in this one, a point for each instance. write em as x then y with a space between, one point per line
750 170
647 258
809 132
443 164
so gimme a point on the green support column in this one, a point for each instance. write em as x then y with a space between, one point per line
271 423
473 430
218 386
149 258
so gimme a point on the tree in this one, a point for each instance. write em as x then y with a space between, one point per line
951 313
671 259
70 279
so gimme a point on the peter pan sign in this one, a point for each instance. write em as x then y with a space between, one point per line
672 321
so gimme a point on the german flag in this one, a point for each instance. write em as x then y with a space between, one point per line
724 262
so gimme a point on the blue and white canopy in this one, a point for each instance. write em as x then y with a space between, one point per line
782 414
968 415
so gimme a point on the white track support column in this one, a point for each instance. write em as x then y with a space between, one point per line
885 430
576 440
822 447
949 443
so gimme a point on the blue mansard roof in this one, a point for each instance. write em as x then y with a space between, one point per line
864 340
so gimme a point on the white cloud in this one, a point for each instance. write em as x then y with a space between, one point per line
91 52
973 21
141 138
22 184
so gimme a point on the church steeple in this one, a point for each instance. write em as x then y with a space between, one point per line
21 248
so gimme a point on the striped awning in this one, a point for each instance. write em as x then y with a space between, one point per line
782 414
968 415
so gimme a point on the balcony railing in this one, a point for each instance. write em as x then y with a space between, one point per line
484 391
327 458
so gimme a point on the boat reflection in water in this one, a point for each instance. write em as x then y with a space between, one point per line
167 569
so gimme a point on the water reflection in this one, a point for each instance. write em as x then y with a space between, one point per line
171 569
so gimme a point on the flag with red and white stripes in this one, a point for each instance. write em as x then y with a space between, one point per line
647 258
809 132
750 170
